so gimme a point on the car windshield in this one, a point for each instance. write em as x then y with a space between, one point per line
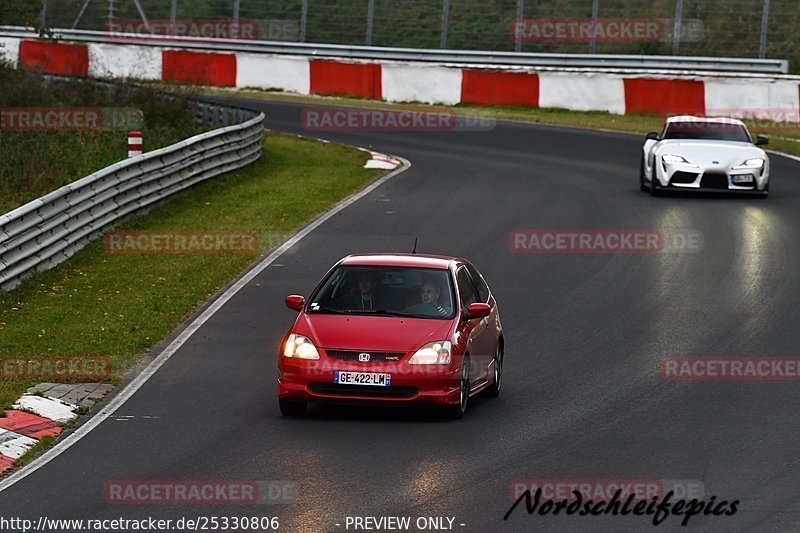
718 131
385 291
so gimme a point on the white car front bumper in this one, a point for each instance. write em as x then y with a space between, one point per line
714 179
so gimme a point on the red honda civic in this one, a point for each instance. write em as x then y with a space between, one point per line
393 329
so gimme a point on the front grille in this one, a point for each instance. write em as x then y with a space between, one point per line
362 390
712 180
374 357
683 177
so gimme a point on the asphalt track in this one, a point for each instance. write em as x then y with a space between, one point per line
582 396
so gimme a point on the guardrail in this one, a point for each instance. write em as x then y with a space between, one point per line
455 57
48 230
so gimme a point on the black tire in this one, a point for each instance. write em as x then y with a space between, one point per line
291 407
456 412
655 190
494 390
642 182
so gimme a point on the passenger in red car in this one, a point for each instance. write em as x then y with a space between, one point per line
429 296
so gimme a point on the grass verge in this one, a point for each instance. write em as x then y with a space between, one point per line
35 450
783 137
119 305
33 163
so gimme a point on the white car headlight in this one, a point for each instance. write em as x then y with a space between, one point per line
672 159
300 347
437 353
756 162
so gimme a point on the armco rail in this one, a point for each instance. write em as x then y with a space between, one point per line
46 231
454 57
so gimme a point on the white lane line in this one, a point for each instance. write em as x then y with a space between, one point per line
186 334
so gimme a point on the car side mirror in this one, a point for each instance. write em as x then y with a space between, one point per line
761 140
478 310
651 136
295 302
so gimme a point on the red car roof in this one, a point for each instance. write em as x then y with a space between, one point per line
400 260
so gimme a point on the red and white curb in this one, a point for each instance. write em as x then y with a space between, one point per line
14 445
31 418
382 161
47 407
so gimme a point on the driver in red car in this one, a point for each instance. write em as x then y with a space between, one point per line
429 294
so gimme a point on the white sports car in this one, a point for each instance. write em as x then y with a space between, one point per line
704 154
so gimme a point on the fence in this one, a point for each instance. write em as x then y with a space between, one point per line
46 231
727 28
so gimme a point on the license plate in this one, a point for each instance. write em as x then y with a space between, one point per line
747 178
362 378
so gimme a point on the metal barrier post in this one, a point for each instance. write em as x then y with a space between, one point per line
595 11
303 20
370 17
762 47
235 25
445 21
676 31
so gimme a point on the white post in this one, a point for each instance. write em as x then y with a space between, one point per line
134 143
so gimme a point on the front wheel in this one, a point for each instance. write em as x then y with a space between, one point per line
655 190
494 390
642 182
291 407
457 411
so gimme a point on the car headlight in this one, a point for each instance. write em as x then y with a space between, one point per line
433 353
300 347
756 162
672 159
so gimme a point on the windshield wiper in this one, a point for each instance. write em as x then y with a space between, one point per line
330 310
382 312
398 313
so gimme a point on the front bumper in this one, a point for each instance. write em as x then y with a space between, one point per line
714 180
312 381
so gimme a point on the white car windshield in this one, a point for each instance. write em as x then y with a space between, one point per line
718 131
